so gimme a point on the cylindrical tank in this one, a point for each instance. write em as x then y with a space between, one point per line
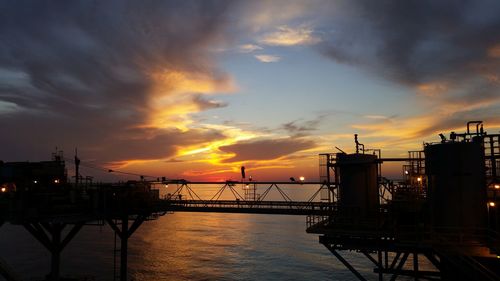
357 175
456 184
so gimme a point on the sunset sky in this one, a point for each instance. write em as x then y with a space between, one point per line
196 89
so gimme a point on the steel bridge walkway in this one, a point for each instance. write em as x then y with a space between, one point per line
249 207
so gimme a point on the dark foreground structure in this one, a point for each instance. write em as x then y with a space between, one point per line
444 210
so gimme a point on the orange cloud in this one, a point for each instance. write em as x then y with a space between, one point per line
174 96
494 52
433 89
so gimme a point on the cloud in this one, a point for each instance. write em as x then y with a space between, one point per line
300 128
378 117
418 42
267 149
267 58
288 36
117 79
444 51
249 48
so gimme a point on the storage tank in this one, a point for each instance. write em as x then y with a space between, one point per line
357 174
456 184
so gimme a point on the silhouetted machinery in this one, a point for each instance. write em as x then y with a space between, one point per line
445 209
456 181
32 176
358 184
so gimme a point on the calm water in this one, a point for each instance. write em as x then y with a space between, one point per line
193 246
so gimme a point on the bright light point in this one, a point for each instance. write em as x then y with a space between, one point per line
302 178
35 181
56 181
4 189
491 204
497 186
419 179
406 172
166 185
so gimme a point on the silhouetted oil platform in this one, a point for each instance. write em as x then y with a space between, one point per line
444 210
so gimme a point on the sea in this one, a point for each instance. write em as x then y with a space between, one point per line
194 246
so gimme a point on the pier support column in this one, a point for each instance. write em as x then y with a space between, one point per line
124 233
49 235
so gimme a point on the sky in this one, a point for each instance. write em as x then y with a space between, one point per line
197 89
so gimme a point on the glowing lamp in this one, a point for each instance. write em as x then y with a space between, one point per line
406 172
491 204
419 179
35 181
497 186
4 189
302 178
56 181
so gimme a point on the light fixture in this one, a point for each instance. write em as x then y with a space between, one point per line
4 189
491 204
302 178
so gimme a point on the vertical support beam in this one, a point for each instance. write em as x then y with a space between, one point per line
380 266
53 243
55 231
124 233
386 256
415 264
123 249
492 157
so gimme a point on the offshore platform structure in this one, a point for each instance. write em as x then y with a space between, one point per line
444 210
37 196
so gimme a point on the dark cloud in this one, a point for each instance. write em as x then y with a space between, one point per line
205 104
300 128
266 149
79 73
415 42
